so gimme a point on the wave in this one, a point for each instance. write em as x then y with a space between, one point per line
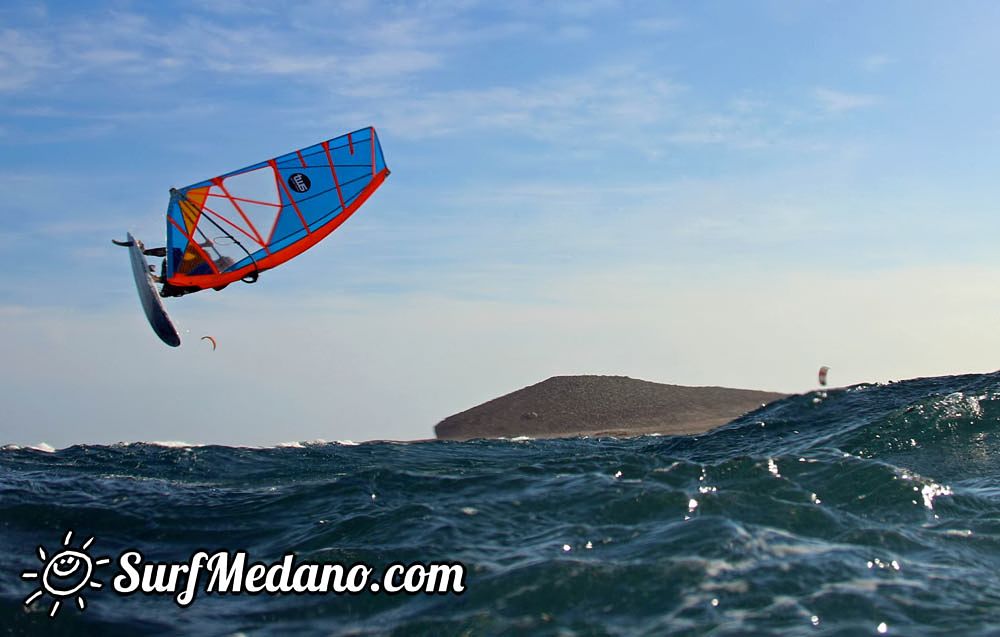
42 446
833 512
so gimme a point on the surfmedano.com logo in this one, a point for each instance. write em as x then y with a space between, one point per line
66 574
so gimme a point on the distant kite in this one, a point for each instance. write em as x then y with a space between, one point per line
210 339
822 375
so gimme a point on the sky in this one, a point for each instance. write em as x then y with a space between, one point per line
695 193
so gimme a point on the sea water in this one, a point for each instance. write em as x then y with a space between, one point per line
873 509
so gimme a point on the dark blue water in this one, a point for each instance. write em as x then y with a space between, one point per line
869 509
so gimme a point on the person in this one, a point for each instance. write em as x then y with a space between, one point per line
167 288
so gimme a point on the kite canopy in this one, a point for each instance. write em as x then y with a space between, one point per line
823 371
239 224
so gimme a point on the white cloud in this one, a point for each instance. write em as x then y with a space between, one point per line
594 105
237 7
572 32
657 25
834 101
875 62
23 59
121 43
547 222
374 74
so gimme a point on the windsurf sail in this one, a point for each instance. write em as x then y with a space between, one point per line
823 371
237 225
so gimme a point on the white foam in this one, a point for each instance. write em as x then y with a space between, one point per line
42 446
171 444
316 442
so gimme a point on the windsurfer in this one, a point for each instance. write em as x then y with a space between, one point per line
169 289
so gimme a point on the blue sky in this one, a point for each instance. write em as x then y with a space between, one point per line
707 193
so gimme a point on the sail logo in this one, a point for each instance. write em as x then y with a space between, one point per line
299 182
66 574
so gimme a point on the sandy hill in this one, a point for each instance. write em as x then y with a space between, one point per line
616 405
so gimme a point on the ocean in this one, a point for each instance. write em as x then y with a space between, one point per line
873 509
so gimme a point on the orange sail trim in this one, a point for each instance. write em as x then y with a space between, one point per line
191 207
205 281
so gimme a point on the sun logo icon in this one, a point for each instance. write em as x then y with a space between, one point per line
65 574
